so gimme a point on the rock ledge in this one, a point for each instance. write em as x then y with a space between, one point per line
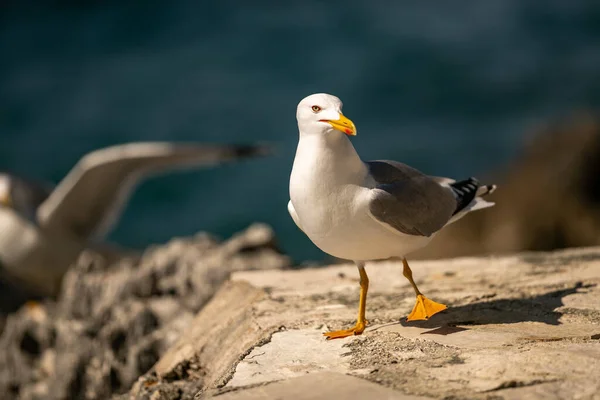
524 326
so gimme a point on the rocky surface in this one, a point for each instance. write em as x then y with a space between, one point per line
517 327
113 322
201 319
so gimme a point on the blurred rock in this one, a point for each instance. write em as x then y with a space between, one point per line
548 199
112 323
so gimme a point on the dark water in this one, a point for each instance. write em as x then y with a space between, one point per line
449 88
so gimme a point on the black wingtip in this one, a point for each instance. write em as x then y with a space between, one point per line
465 192
253 150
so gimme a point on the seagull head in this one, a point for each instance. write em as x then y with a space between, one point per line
5 191
321 113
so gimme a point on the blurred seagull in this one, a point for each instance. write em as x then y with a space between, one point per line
43 230
363 211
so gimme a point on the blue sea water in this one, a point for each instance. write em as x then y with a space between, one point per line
452 88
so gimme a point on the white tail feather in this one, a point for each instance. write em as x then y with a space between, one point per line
485 190
477 204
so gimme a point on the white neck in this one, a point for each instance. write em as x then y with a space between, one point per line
327 160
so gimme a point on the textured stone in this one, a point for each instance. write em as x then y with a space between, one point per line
523 326
319 386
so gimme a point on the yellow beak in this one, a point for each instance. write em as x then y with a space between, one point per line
343 124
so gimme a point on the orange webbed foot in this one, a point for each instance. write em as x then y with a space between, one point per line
424 309
357 330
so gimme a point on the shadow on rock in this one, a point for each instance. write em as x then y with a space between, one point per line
541 308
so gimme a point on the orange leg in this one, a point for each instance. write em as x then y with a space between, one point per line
424 308
361 322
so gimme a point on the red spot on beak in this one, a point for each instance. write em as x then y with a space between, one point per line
348 131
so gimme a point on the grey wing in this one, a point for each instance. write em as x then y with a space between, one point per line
89 200
408 200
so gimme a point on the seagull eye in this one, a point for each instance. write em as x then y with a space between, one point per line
316 109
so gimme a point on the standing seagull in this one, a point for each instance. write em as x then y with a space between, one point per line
43 231
363 211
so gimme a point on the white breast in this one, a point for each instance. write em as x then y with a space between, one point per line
329 191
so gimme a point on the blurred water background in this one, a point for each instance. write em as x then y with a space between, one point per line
451 88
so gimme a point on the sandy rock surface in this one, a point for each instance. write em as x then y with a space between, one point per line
112 323
518 327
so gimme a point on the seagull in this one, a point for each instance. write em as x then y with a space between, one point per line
365 211
43 229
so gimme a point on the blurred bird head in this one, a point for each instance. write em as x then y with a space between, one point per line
5 191
321 114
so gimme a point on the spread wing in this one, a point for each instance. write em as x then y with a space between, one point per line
92 196
409 201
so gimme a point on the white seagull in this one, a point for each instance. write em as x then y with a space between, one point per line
374 210
43 231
